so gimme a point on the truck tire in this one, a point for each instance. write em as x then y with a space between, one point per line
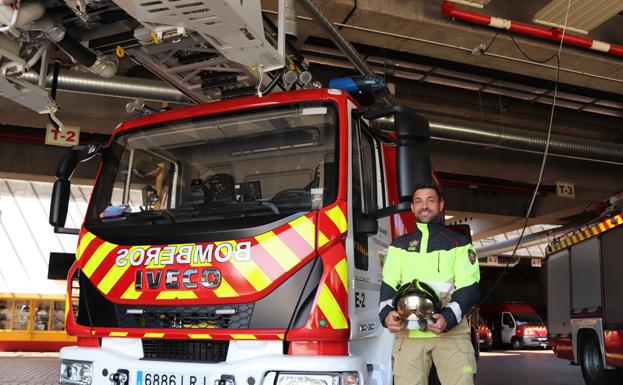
593 369
516 344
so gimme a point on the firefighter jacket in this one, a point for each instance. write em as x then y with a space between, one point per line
441 258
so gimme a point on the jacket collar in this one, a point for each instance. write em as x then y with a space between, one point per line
435 225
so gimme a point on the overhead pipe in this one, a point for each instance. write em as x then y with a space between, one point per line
116 86
489 135
552 34
521 140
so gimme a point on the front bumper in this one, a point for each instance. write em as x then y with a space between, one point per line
535 342
245 360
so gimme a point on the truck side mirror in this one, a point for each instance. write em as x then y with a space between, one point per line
61 190
59 202
366 225
412 157
412 135
68 164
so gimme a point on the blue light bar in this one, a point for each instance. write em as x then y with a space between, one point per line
345 84
365 89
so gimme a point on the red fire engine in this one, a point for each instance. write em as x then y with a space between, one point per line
240 242
584 308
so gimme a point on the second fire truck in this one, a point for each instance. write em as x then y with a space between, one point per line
584 307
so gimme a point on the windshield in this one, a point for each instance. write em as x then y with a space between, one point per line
234 171
528 319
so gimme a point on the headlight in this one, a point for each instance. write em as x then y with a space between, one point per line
345 378
76 372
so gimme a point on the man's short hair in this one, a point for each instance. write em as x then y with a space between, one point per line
429 185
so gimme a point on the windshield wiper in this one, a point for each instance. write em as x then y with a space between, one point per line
152 214
223 210
271 206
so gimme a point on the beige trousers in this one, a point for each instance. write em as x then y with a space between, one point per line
453 357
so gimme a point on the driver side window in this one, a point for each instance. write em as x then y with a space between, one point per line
364 189
364 173
507 320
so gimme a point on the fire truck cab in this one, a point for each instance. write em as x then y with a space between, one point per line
240 242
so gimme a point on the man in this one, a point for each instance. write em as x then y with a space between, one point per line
447 262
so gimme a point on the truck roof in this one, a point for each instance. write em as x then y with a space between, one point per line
230 105
575 237
509 307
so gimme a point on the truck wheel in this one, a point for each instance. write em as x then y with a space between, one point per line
593 369
516 344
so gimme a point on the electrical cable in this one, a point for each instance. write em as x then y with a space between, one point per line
491 42
528 56
524 53
259 84
543 162
54 121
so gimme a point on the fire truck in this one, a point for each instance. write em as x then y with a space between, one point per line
584 308
240 242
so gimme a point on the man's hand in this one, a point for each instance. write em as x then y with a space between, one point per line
393 322
439 324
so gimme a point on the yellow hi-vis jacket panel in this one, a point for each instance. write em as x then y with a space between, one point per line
435 255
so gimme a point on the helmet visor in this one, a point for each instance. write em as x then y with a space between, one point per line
414 306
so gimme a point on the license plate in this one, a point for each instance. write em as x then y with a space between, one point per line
151 378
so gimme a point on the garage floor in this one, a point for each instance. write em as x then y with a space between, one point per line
494 368
540 367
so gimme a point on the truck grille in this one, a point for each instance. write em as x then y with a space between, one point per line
182 350
185 317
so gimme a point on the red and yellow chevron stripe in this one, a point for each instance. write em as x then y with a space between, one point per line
577 237
332 224
273 257
330 309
